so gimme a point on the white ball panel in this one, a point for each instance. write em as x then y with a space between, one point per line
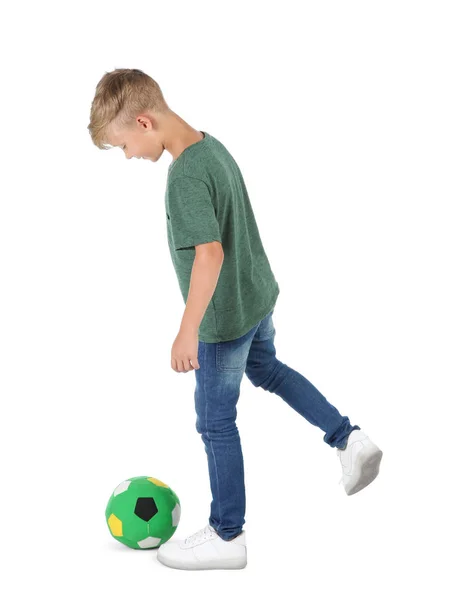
122 487
149 542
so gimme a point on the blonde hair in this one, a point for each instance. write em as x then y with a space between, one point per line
120 96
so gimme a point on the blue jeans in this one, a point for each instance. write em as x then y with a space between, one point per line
217 390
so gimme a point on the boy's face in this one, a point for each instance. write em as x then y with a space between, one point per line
139 141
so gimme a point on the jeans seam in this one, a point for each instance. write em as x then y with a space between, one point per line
211 443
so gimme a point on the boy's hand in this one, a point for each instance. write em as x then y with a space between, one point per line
184 351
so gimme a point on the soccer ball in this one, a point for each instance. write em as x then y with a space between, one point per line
143 513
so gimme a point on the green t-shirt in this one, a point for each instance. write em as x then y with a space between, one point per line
206 200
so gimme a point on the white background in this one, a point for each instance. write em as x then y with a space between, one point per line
340 116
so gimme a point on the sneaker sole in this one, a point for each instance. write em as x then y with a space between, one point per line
368 471
232 563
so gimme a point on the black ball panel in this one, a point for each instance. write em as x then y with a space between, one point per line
146 508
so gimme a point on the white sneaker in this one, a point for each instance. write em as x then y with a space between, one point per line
360 462
204 550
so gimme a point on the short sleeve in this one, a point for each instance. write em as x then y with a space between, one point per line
192 217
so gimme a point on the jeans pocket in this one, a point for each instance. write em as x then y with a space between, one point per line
231 356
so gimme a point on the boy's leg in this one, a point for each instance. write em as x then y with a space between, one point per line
216 394
265 370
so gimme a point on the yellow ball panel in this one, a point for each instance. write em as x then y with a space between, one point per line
157 482
115 525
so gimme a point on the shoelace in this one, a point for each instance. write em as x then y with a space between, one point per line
203 534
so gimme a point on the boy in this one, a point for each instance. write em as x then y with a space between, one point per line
230 294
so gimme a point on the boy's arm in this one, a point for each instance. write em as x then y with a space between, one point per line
204 278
